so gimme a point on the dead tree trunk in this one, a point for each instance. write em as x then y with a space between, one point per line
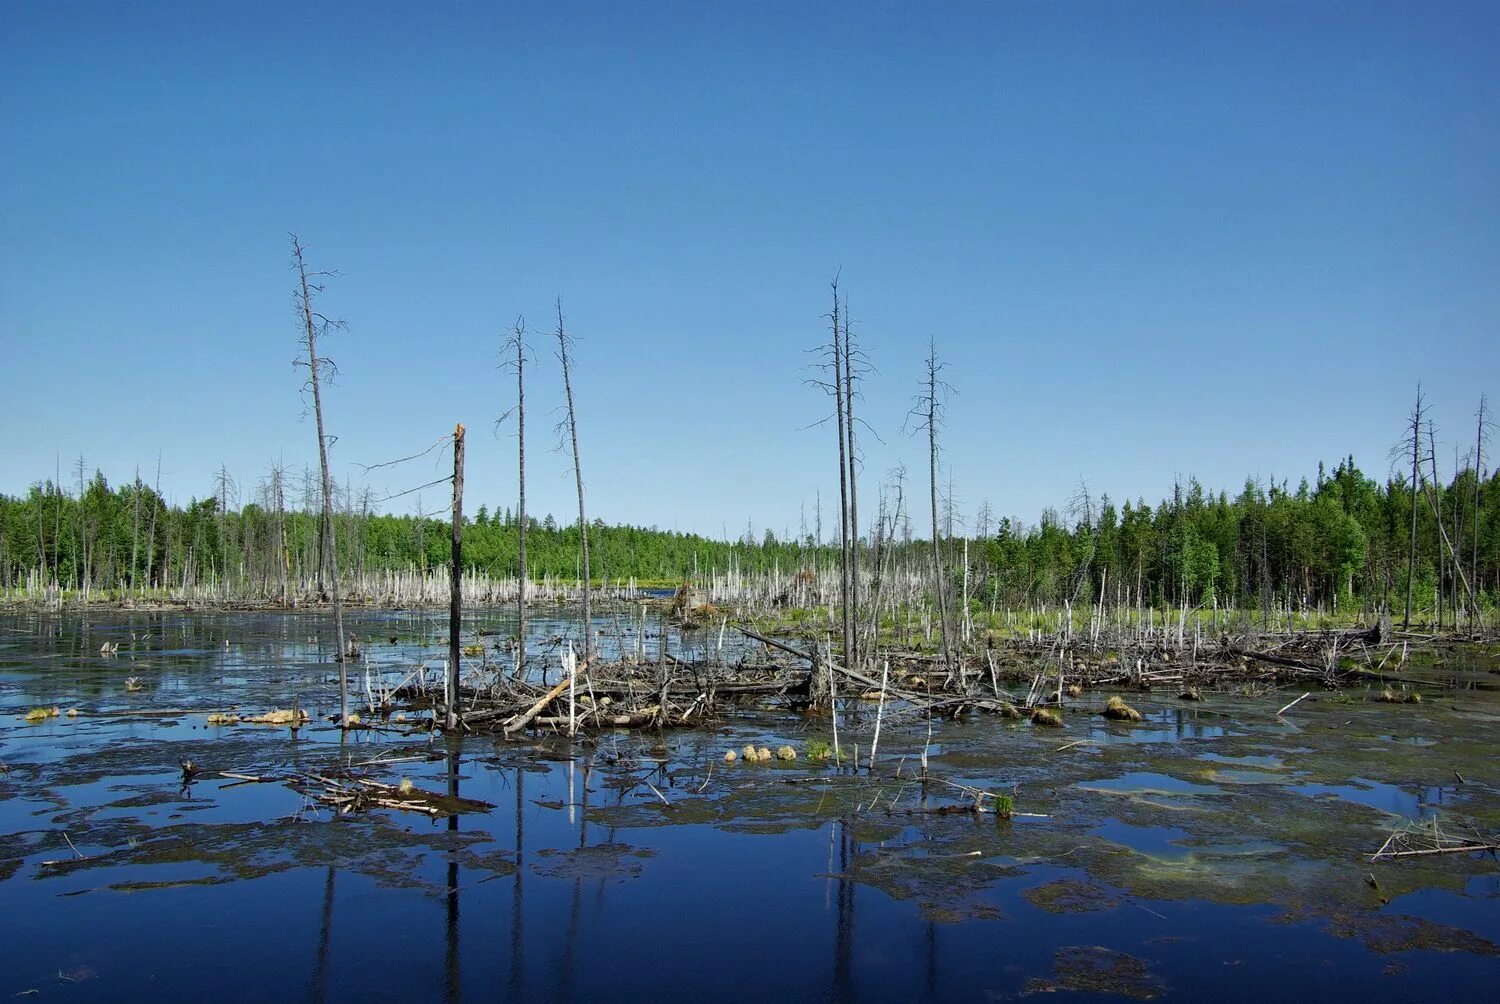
928 412
519 340
838 401
1475 617
329 553
456 579
1417 414
854 656
564 354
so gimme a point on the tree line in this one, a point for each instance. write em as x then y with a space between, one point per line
1340 541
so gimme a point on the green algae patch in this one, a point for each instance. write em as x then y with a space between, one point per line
611 862
388 853
1072 896
1387 933
1096 969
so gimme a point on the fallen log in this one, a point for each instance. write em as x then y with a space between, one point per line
517 722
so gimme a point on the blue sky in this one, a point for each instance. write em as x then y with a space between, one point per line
1149 239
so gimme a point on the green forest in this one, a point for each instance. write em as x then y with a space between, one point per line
1338 542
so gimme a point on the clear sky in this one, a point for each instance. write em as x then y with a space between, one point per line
1150 239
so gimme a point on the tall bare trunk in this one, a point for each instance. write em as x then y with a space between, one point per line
838 399
456 578
931 416
1411 553
563 353
522 574
1478 523
855 656
329 552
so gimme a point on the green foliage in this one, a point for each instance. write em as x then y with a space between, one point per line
1338 544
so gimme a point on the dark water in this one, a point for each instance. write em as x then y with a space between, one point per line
1212 851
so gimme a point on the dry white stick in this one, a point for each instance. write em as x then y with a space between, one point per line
879 712
572 668
658 793
1289 706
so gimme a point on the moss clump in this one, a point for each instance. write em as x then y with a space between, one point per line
1116 710
1046 718
817 749
1004 806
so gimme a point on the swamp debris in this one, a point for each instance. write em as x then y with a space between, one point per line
1420 839
347 792
1116 710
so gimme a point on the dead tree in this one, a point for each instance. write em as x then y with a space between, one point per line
1481 426
927 410
853 598
1418 415
456 579
838 403
564 353
314 324
517 343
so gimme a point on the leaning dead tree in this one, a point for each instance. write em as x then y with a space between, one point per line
517 343
564 353
927 410
313 325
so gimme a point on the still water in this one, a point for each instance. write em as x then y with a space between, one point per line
1211 851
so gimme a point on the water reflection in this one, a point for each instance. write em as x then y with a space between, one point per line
738 870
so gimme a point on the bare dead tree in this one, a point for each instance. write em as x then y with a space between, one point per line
1482 426
516 344
277 491
564 354
456 579
927 411
838 400
1418 417
854 656
313 325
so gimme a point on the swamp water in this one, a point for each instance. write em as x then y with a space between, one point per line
1211 851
